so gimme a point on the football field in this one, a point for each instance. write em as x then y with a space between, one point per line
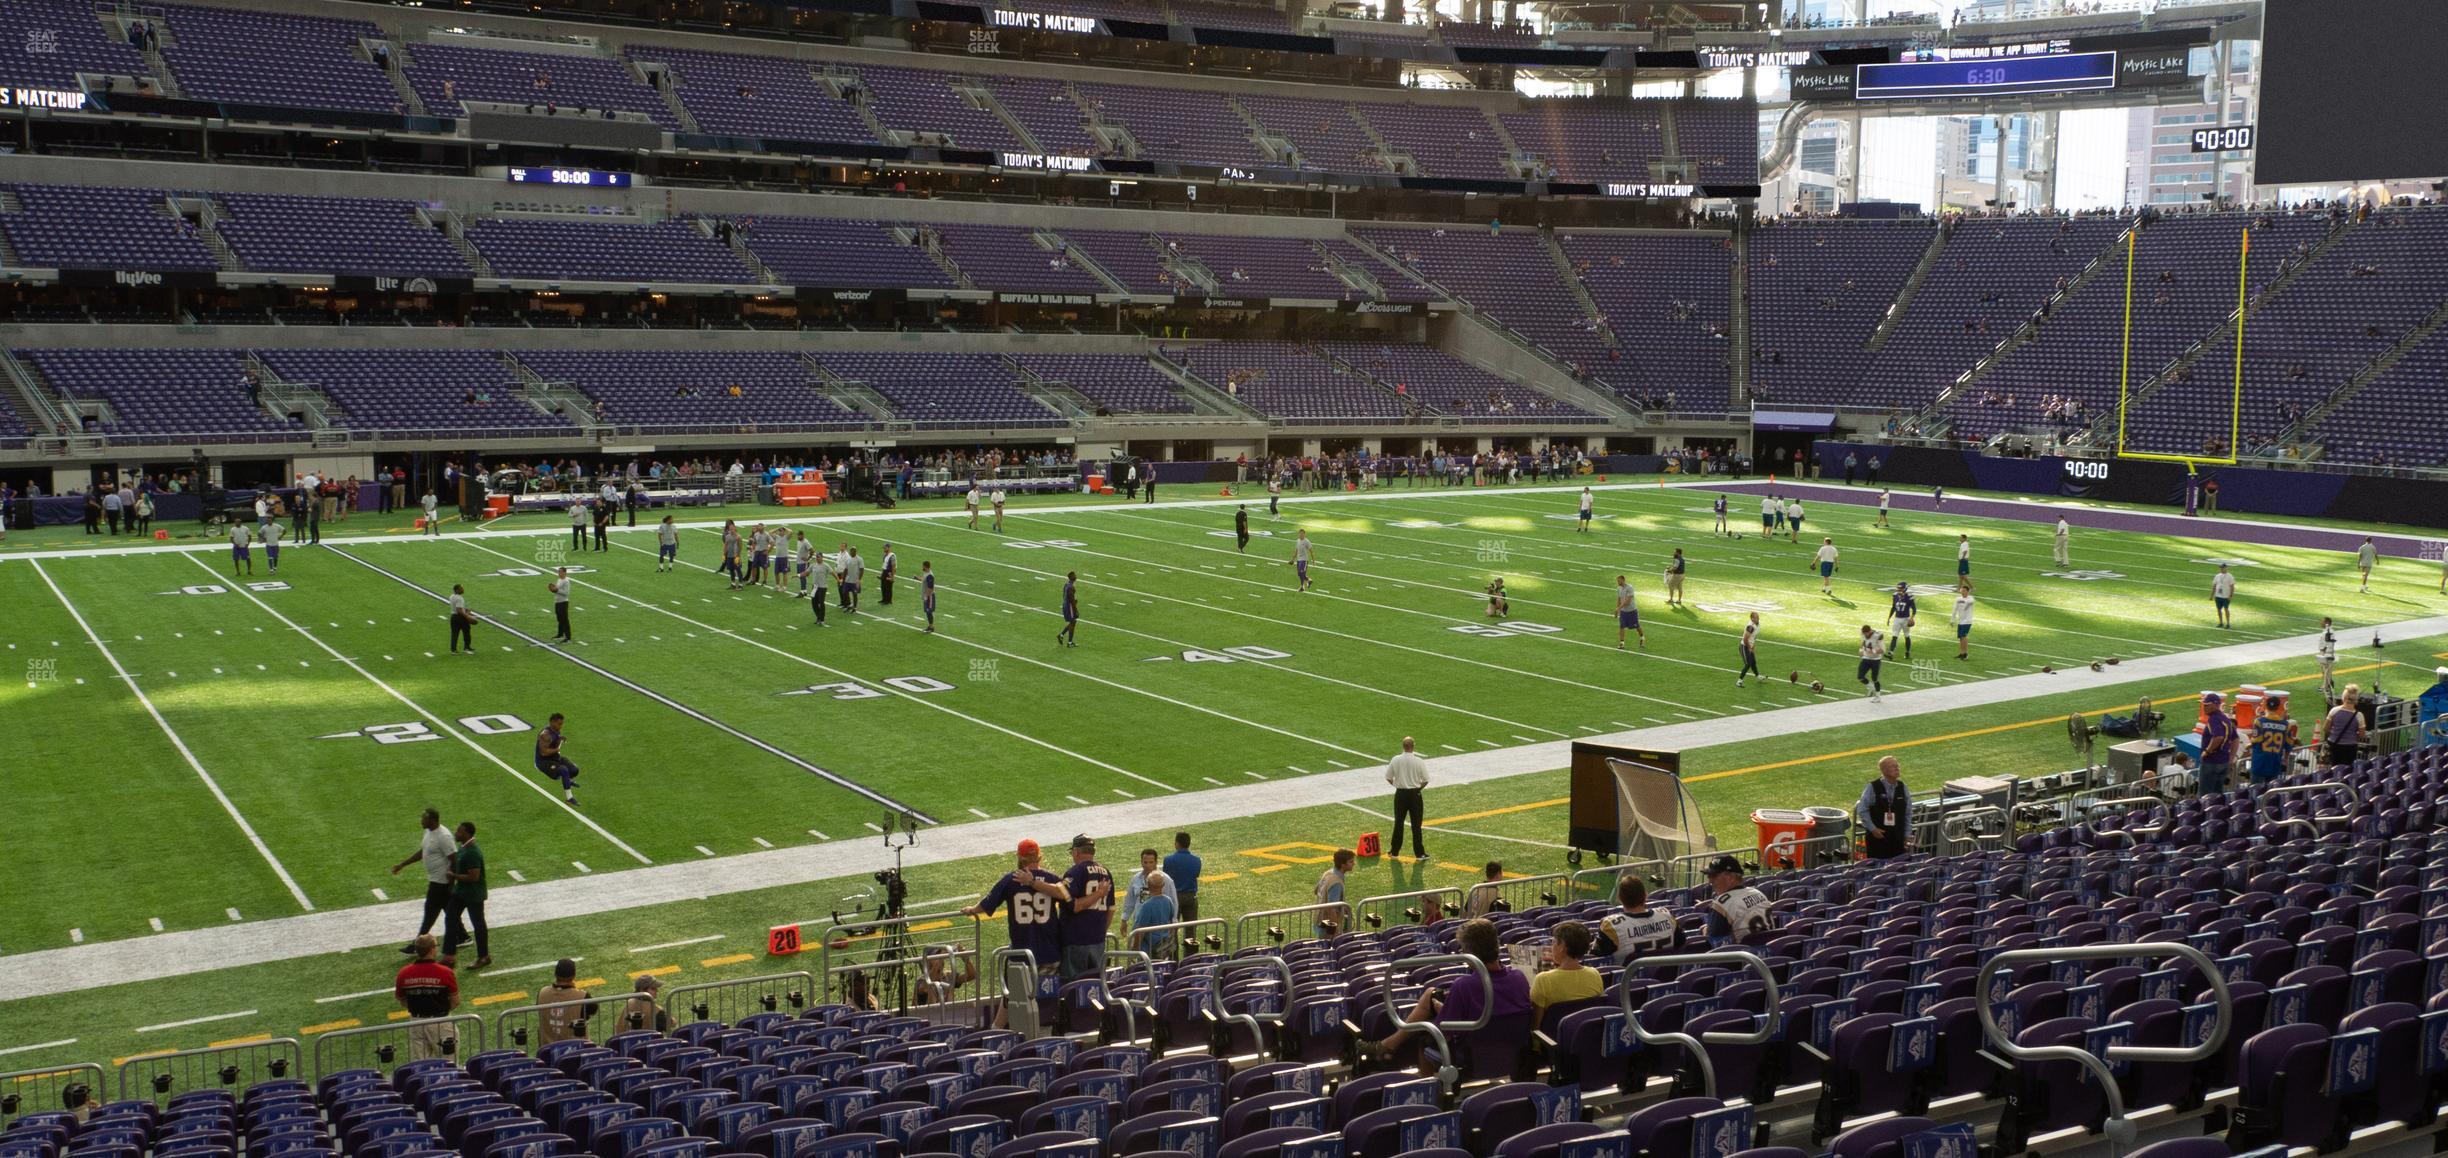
274 736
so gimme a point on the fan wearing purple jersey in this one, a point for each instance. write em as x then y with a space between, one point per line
1033 901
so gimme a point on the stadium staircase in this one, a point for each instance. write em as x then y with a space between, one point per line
397 74
660 79
756 265
2103 431
1931 417
2320 411
1912 285
1553 367
850 393
1738 322
1352 275
1056 396
1186 269
908 235
836 82
1572 281
208 231
1397 160
1272 145
451 226
1476 339
1207 397
985 99
1053 242
119 17
31 395
1512 148
282 399
554 398
1361 373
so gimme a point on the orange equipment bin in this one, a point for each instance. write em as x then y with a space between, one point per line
1781 833
2247 710
496 506
1096 485
813 493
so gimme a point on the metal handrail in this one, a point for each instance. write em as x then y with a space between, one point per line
1179 929
465 1040
2119 1132
1130 1009
1257 1022
2354 804
1615 871
1760 1034
1242 939
1376 906
1448 1074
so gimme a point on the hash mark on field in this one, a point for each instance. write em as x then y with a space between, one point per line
818 835
1687 715
872 826
677 944
381 895
1524 739
1621 724
1072 799
703 849
196 1021
762 842
1590 730
233 914
980 813
1338 763
1124 795
515 875
1255 775
1490 744
76 936
1033 808
1653 719
1298 768
581 866
156 922
1212 780
1451 748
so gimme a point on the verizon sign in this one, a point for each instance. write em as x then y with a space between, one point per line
40 98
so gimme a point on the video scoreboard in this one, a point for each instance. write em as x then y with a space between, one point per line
2020 68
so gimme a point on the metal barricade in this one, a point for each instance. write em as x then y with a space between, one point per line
1257 1020
521 1027
1602 882
729 1001
1689 869
1762 1032
1372 911
1966 829
1521 894
2310 824
233 1067
43 1091
1186 936
1448 1074
2132 832
897 950
1256 923
2119 1132
458 1036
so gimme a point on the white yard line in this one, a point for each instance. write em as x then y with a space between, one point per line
196 1021
65 1041
677 944
210 784
439 724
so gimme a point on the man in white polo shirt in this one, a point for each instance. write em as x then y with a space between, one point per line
1409 776
435 848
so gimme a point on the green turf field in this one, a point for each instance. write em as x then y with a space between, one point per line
291 726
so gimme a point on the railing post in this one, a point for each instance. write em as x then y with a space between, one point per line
1257 1022
1694 1045
1448 1074
2119 1132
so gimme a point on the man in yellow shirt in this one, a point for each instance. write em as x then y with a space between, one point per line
1565 980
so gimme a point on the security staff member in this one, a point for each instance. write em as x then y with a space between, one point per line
1409 776
1885 812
